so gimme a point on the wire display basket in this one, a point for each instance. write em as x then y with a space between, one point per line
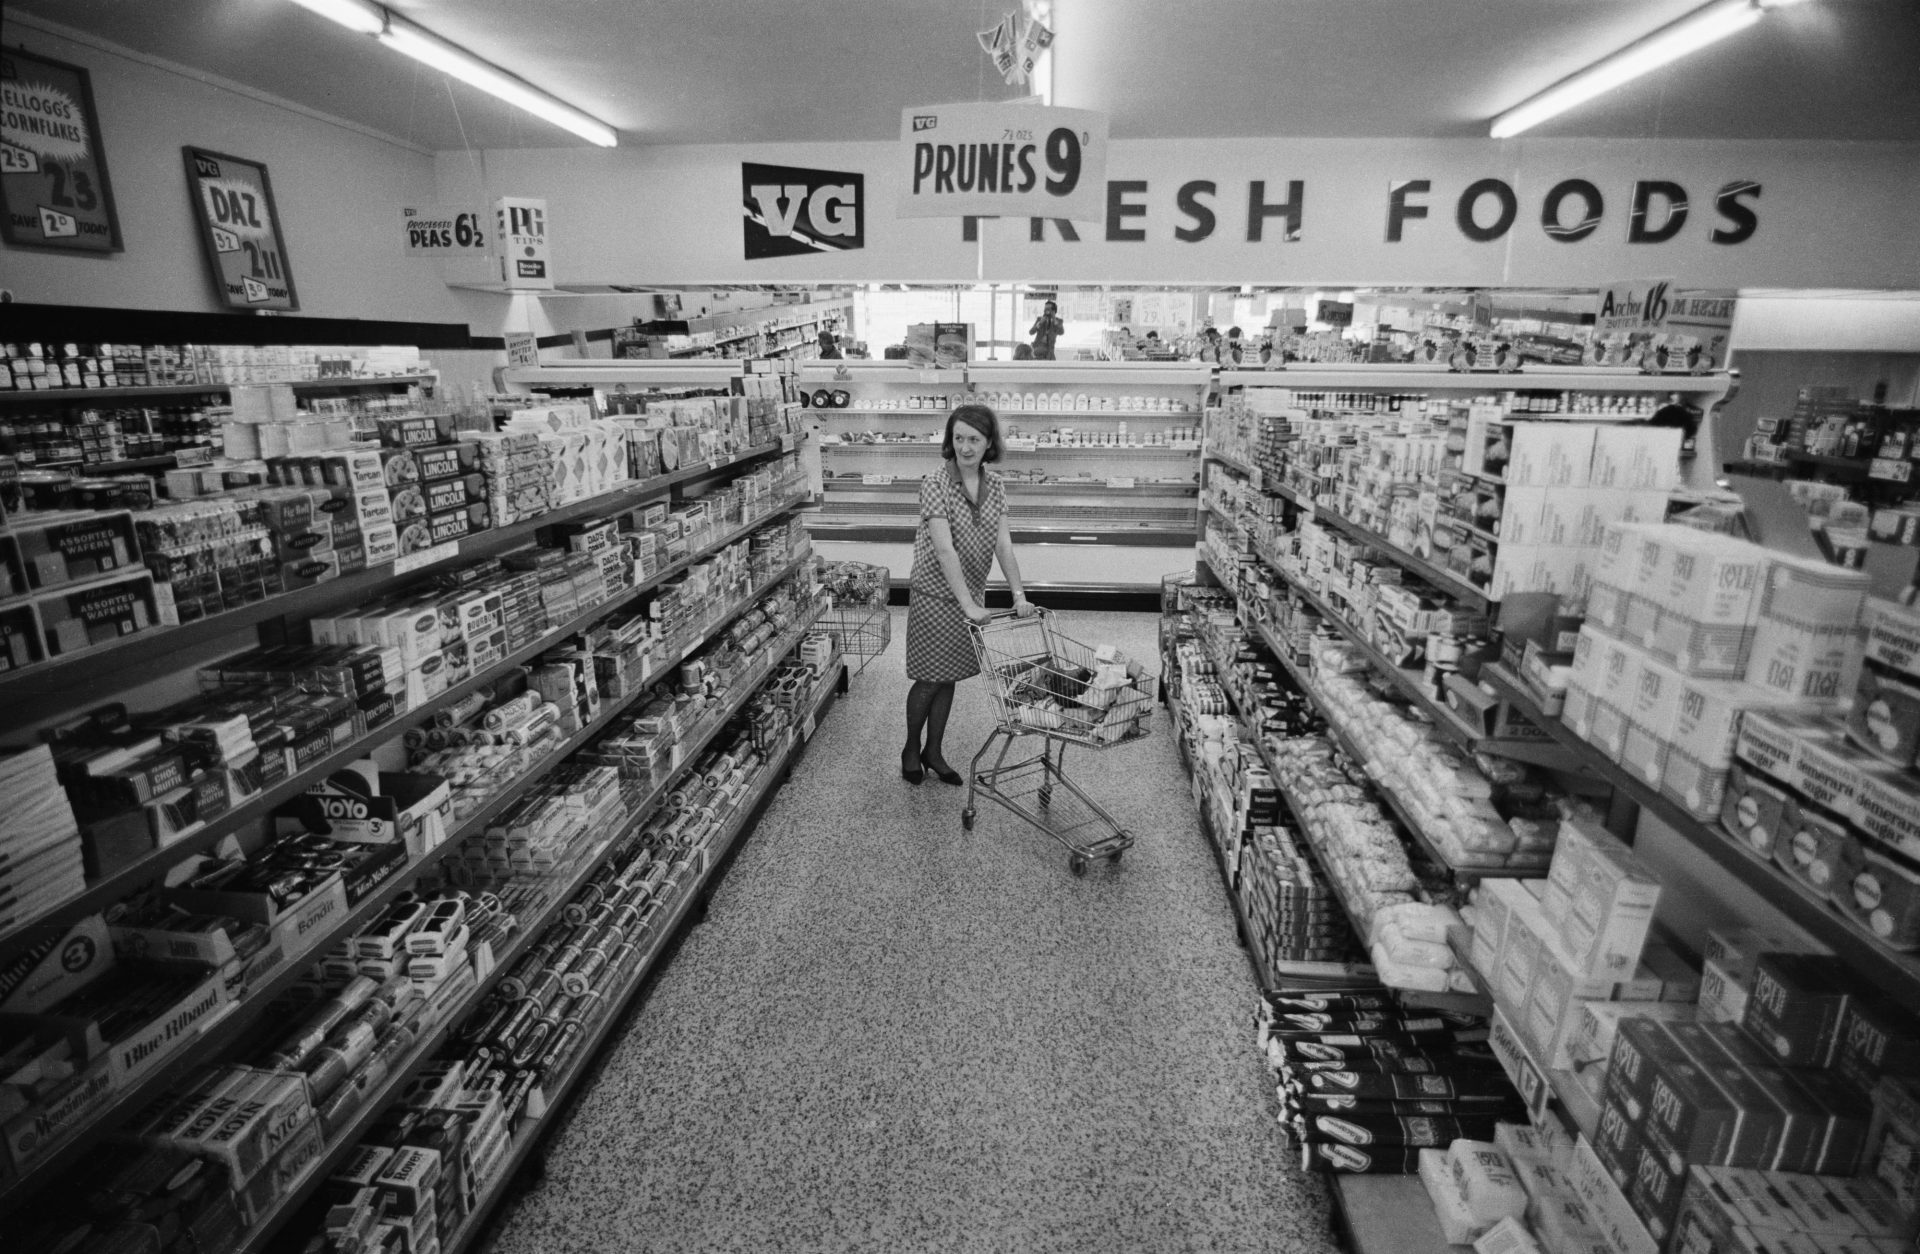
864 632
859 619
1170 586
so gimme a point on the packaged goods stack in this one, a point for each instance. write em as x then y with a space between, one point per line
71 427
1466 814
1479 487
595 847
1714 672
82 571
1270 747
1480 813
1366 1085
42 858
1689 1086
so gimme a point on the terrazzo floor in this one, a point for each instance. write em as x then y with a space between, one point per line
893 1035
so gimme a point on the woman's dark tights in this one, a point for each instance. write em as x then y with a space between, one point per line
928 705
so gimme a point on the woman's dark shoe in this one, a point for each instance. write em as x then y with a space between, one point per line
944 773
912 774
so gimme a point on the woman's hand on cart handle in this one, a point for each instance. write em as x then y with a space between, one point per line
976 612
1023 607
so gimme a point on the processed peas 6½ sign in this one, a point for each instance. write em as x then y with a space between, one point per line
240 230
53 172
1010 160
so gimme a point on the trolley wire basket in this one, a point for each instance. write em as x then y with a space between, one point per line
1049 687
1041 680
859 619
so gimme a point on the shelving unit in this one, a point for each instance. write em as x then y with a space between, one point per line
41 396
1407 682
527 1137
1248 934
145 870
1464 873
63 683
1155 514
222 1033
1897 973
784 318
628 375
1548 1093
1311 377
261 1236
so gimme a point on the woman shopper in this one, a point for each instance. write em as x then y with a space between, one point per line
963 527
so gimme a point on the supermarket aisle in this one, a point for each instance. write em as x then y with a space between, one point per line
892 1035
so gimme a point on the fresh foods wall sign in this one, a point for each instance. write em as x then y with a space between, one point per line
1657 210
791 211
54 191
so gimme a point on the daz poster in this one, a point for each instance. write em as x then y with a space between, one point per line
53 173
240 230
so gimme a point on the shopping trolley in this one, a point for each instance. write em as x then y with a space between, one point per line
1047 686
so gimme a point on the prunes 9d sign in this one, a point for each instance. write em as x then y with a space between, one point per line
1013 160
240 230
53 174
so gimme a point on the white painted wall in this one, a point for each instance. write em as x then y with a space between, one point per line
339 193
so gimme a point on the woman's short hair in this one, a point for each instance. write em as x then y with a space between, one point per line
974 416
1023 352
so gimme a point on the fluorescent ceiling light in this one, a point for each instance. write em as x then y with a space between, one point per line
1670 43
430 49
356 15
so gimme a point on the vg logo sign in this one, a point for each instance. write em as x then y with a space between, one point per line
788 211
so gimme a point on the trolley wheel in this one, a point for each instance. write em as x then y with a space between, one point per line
1077 864
1114 857
966 820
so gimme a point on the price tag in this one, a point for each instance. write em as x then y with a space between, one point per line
1897 469
1519 1066
425 557
523 349
1257 479
876 481
806 731
1119 481
202 456
786 441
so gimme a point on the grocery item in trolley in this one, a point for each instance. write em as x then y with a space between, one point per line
1098 694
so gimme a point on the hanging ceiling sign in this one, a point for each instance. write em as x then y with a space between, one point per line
240 229
442 231
1011 160
53 173
520 237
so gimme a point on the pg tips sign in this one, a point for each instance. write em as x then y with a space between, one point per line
520 239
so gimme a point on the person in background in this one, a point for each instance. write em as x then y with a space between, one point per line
1023 352
1045 330
829 347
963 527
1210 345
